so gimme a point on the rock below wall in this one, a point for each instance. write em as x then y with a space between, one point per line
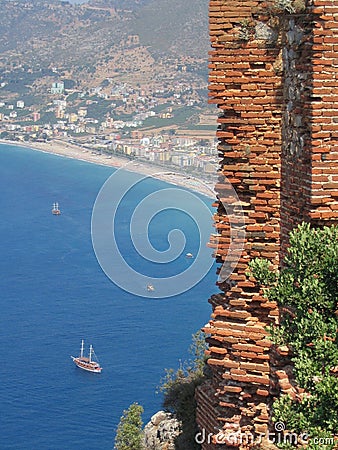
160 433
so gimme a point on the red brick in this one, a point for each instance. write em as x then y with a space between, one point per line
249 94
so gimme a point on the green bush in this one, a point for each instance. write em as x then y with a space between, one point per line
306 289
179 387
129 430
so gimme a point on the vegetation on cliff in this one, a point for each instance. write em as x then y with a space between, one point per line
179 387
306 289
129 431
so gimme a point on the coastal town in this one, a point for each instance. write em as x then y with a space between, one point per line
160 127
103 83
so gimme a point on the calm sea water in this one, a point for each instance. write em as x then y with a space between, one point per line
53 293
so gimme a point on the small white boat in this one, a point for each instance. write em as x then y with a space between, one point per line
56 210
87 363
189 255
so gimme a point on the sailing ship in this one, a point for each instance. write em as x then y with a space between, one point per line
56 211
87 363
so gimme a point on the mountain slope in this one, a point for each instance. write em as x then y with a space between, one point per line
136 41
59 28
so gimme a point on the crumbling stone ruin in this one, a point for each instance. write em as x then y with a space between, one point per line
274 77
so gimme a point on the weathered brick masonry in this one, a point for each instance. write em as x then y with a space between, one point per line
310 122
274 78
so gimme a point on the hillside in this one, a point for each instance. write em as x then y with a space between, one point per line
174 26
76 37
142 61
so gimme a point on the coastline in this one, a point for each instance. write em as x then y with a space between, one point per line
72 151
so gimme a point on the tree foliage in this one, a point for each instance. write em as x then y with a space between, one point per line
179 387
306 289
129 430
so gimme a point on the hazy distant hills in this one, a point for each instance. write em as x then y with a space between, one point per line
174 26
79 36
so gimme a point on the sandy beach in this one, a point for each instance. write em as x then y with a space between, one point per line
68 150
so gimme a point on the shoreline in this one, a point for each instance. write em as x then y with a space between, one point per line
72 151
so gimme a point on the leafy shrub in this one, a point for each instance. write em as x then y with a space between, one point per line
306 289
129 430
179 387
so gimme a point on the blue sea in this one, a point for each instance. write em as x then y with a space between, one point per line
53 293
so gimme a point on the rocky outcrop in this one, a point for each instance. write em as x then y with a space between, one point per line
162 430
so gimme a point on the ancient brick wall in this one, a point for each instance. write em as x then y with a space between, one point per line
310 120
273 76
